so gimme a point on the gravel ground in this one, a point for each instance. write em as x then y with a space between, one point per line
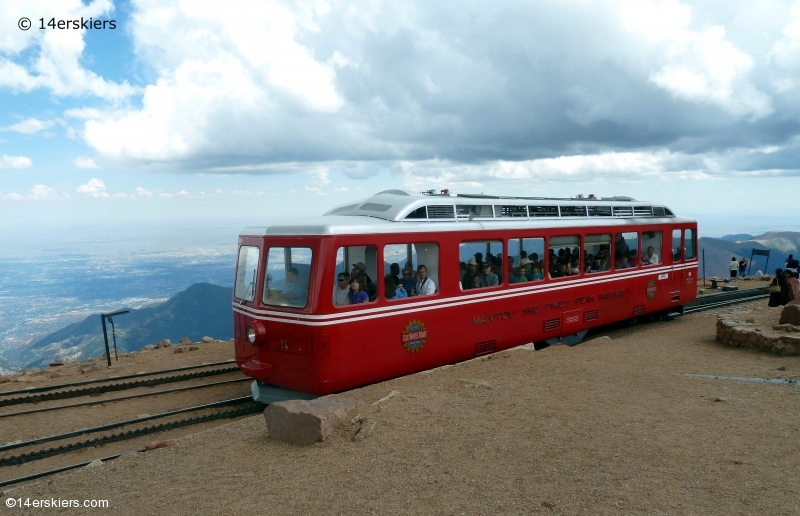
606 427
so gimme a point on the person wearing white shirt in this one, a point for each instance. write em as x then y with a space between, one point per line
734 267
425 285
651 258
341 290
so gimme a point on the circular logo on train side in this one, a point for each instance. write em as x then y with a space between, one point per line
651 289
414 336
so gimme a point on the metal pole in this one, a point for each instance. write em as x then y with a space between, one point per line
105 336
704 267
750 265
766 265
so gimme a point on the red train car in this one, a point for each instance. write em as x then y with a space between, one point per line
476 274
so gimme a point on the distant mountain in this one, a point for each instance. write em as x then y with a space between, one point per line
738 237
200 310
718 251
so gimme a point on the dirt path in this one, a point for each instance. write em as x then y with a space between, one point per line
606 427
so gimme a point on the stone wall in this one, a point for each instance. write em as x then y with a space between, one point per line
784 339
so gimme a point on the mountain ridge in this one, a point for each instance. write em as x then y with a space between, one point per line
200 310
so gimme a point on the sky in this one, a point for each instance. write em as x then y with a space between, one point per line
244 112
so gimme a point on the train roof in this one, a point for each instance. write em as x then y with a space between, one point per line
391 211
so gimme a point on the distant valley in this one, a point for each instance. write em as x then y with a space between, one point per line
200 310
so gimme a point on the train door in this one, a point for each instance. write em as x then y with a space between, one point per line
676 277
690 255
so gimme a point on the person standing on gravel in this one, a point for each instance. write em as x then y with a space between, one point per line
742 266
734 267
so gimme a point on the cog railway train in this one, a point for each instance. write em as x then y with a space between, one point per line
585 261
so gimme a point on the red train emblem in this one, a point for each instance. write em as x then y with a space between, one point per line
414 336
651 289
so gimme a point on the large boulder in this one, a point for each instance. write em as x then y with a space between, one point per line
306 422
790 315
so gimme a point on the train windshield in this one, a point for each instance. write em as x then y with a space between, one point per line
246 271
287 276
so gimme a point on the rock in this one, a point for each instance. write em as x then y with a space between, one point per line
720 399
59 362
178 350
95 463
475 384
163 343
389 396
185 340
206 340
92 360
6 379
306 422
148 347
598 339
166 443
89 368
787 327
192 348
750 320
790 315
141 416
363 431
782 368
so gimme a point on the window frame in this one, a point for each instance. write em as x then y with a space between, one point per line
287 253
547 259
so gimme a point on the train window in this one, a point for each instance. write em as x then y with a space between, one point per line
481 264
470 211
626 250
287 276
676 245
511 211
419 213
543 211
400 265
246 270
525 259
599 211
596 253
690 247
564 256
651 248
573 211
356 262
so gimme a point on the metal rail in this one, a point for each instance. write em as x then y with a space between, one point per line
49 472
49 396
725 298
29 390
120 398
250 408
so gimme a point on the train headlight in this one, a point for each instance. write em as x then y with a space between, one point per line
256 333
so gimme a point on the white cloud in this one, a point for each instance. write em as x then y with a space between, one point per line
141 192
37 193
84 162
183 193
341 189
314 190
42 192
15 162
30 126
57 61
95 187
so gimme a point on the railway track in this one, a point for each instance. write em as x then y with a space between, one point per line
232 408
711 301
104 385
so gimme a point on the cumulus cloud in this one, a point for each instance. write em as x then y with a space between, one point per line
439 92
56 63
95 187
84 162
37 193
30 126
15 162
